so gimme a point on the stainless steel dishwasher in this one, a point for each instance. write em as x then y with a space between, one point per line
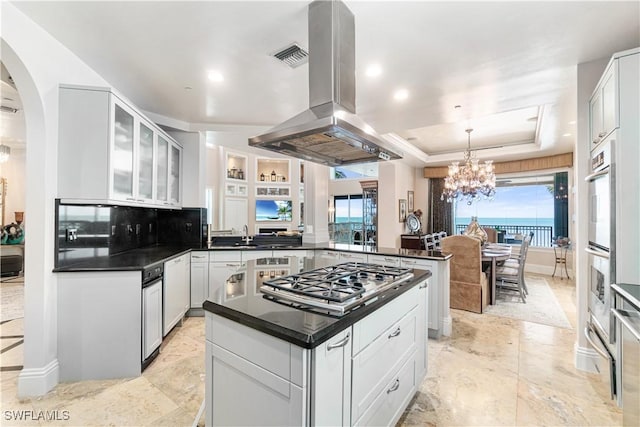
627 315
151 313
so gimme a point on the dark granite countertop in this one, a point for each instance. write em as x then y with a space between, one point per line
139 259
240 300
135 259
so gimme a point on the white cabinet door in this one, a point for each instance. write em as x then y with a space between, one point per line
219 272
175 171
242 393
175 293
151 318
199 278
146 160
604 105
162 171
122 151
422 332
331 400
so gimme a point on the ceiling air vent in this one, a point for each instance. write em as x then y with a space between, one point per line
292 55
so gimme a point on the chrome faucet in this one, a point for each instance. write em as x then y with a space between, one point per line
245 235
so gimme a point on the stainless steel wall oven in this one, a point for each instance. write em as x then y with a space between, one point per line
600 331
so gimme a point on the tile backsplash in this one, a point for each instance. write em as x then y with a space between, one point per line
87 231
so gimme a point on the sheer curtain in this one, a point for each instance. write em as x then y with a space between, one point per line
441 215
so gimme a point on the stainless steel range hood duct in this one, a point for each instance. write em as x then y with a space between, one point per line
329 132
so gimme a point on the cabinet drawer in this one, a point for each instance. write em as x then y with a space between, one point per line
329 254
389 404
372 326
275 355
352 257
372 366
225 256
421 264
200 256
392 261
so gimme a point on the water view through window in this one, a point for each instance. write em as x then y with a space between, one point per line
520 206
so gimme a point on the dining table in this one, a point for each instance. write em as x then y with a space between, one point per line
493 253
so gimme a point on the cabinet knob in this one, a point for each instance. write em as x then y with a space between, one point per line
602 134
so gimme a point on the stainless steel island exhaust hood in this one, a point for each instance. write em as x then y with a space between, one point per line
329 132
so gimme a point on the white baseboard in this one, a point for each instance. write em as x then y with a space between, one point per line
545 270
38 381
586 359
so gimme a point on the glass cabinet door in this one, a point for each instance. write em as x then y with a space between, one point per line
145 163
174 178
162 169
123 154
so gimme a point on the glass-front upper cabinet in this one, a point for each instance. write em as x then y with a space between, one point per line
122 161
145 163
174 177
162 170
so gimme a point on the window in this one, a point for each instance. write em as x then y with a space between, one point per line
346 224
537 204
364 170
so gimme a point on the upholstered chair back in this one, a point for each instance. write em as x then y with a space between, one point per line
466 264
492 234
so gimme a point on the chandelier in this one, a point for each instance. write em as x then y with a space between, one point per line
471 180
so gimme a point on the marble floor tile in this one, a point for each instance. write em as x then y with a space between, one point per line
492 371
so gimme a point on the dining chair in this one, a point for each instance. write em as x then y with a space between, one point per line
429 243
514 260
511 276
468 284
492 234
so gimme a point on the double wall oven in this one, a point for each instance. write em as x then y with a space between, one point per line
600 330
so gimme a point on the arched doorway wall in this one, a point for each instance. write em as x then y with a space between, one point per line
38 64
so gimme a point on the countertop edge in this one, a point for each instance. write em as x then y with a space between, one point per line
310 341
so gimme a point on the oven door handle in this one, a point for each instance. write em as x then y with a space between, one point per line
601 254
622 318
596 175
587 335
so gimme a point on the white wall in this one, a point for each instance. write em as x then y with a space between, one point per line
13 170
588 75
394 180
38 63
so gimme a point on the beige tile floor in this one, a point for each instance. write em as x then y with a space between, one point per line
492 371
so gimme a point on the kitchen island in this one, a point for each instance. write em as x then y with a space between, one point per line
274 363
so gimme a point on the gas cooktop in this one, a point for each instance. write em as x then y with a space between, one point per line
337 288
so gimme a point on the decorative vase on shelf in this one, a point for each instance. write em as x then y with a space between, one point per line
262 177
273 176
474 230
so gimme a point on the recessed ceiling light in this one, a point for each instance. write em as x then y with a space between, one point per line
401 94
215 76
373 70
566 134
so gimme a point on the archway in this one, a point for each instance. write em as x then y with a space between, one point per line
40 372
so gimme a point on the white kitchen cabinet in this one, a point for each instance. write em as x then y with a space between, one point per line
109 152
151 318
199 281
176 293
388 260
439 313
250 254
366 374
222 264
331 397
353 257
604 105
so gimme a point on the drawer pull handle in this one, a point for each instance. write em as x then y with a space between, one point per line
395 333
601 134
394 387
424 285
340 343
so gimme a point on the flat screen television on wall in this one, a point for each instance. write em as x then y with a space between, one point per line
273 210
